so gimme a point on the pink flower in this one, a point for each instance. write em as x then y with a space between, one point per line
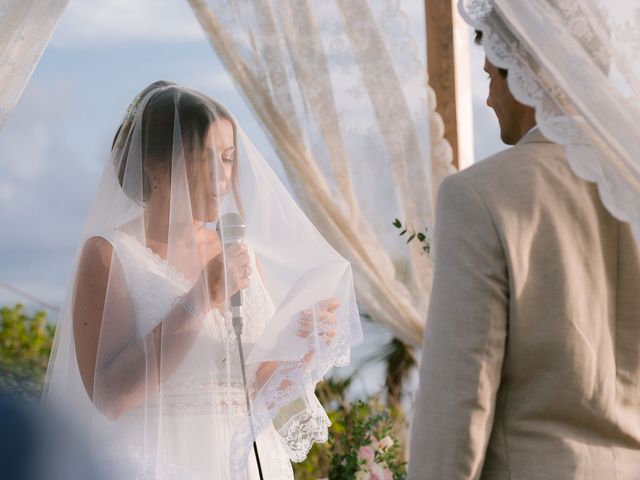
377 472
388 474
366 453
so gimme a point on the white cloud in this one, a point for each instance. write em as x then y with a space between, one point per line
121 21
220 81
26 139
214 82
28 157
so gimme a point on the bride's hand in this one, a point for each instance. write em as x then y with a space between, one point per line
324 319
212 282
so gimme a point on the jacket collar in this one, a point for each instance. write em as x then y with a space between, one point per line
534 136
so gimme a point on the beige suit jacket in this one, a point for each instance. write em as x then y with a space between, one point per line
531 359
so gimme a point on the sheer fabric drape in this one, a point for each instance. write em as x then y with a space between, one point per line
577 63
26 27
340 91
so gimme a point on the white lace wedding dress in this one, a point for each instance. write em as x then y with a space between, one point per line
210 408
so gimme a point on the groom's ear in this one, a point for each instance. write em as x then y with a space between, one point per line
478 38
478 41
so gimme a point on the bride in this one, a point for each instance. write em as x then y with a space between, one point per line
148 361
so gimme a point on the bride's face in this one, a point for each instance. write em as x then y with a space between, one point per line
211 170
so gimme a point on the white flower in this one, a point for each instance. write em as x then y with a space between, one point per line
385 443
363 475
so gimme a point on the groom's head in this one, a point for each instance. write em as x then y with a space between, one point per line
515 118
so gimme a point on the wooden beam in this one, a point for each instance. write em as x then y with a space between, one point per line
448 69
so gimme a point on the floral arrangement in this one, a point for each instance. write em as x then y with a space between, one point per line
373 462
365 436
366 450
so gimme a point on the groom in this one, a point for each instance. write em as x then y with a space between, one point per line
531 359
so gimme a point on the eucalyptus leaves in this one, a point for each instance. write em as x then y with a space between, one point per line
423 238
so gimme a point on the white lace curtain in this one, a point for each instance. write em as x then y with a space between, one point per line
25 29
578 63
340 90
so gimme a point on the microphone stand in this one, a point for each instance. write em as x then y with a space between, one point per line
231 229
236 309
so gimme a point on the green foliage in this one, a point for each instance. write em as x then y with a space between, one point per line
25 346
422 237
400 360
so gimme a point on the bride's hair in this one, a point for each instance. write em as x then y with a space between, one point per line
167 101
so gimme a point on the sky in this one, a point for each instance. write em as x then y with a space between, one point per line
54 144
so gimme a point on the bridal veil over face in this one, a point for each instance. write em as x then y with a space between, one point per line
145 359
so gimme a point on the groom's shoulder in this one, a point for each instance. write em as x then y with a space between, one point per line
519 171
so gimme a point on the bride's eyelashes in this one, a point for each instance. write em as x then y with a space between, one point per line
228 156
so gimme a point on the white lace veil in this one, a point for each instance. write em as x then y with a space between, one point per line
577 63
145 359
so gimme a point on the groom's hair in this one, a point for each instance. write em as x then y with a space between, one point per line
478 41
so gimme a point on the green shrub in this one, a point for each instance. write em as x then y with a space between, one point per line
25 346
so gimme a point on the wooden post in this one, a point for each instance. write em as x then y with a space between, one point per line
449 76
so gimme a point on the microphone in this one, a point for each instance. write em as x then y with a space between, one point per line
231 229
